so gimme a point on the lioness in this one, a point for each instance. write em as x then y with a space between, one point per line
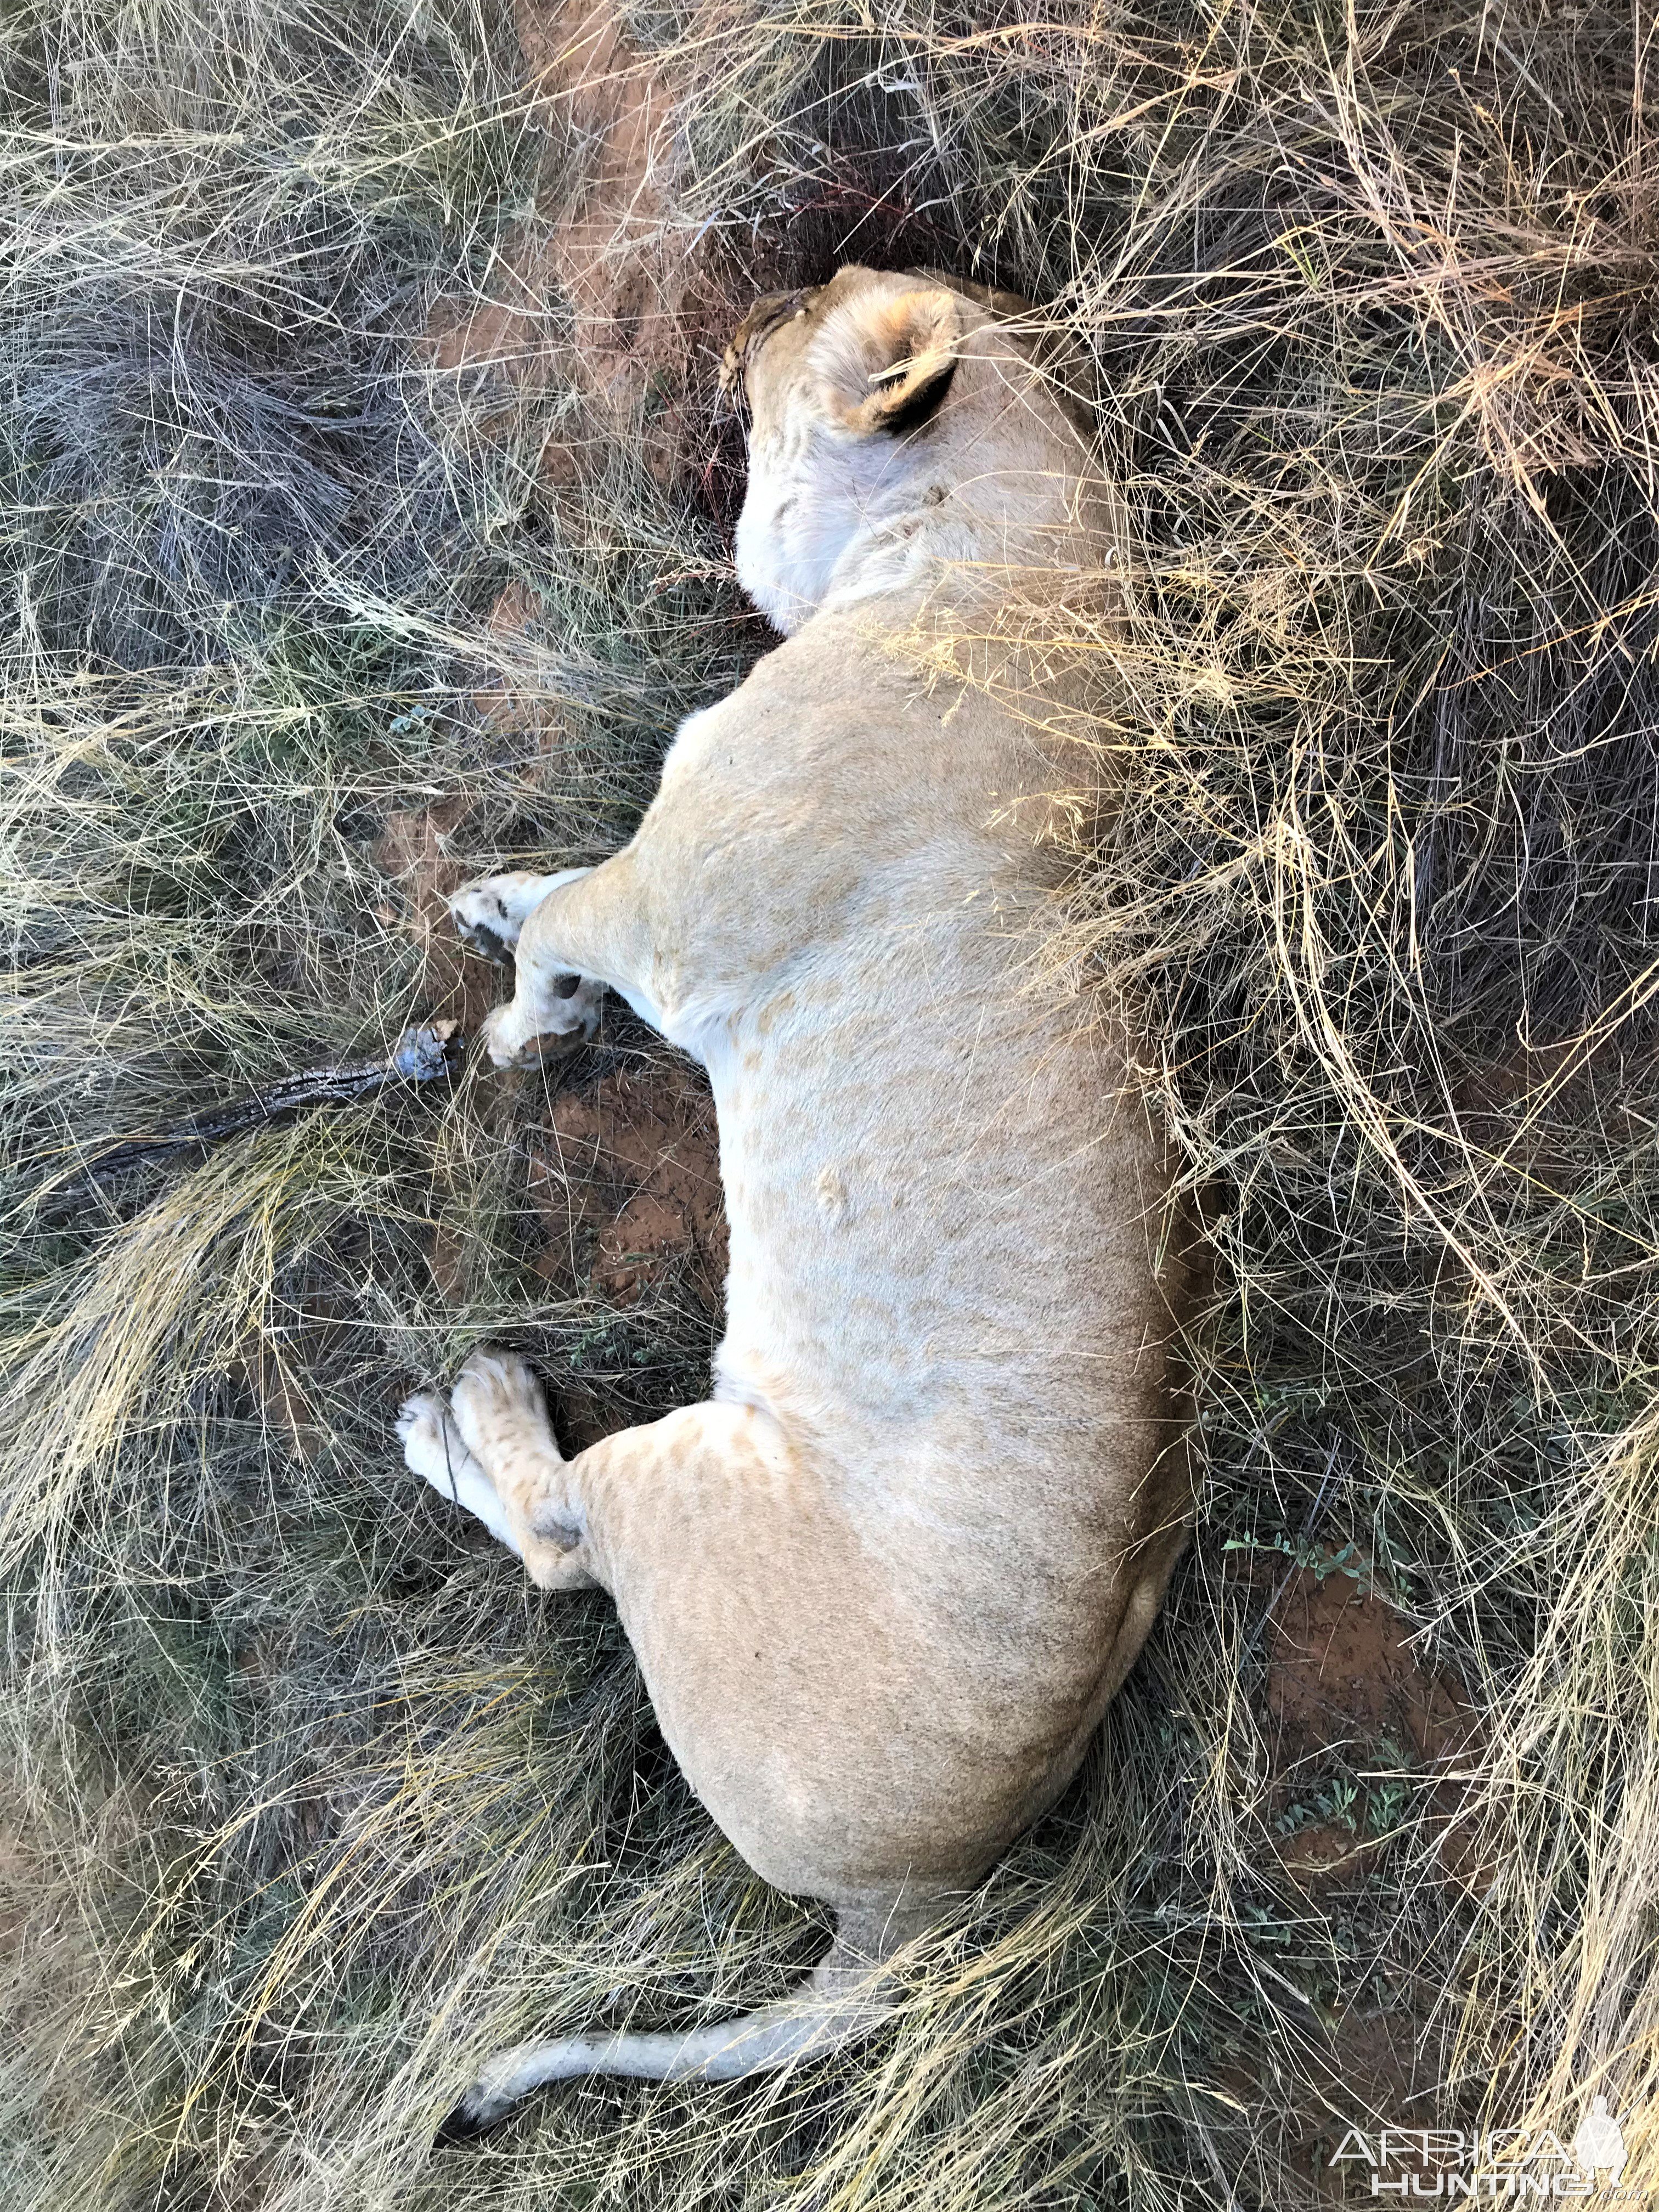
881 1586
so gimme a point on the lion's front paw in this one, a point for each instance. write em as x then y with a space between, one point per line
486 917
491 914
502 1037
568 1020
432 1448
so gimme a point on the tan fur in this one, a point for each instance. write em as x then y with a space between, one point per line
882 1586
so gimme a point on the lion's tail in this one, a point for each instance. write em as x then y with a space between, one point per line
842 1999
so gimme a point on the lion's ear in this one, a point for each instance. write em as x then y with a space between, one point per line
888 359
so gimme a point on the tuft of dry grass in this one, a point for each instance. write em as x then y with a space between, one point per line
311 1800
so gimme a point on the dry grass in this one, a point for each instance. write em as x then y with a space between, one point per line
313 1801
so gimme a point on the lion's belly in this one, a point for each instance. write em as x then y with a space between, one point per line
943 1225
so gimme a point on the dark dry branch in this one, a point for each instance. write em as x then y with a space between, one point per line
426 1054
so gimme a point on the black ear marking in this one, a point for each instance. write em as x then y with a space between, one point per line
920 405
456 2128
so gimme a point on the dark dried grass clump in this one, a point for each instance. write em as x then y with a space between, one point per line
312 1799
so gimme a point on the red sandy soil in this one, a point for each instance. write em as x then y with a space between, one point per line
627 1176
645 316
1343 1678
1346 1686
412 853
625 1173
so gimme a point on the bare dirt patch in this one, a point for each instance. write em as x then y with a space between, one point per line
627 1178
1359 1726
596 287
598 280
624 1172
1342 1674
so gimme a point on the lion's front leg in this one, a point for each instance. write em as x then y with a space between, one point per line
572 936
490 915
536 1025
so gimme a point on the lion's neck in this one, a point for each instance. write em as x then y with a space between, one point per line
885 528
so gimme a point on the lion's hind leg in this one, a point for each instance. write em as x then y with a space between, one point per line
432 1450
492 1450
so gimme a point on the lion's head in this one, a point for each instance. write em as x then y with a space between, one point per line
894 419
